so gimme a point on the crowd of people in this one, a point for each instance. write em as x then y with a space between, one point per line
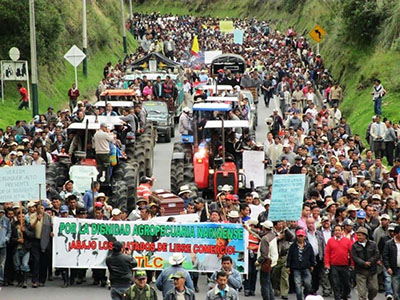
349 230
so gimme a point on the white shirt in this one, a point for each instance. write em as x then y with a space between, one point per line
327 235
398 253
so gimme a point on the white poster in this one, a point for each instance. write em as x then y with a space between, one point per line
253 166
210 55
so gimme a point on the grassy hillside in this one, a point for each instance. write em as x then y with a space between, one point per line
355 66
55 74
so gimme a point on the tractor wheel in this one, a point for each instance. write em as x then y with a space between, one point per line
57 175
188 175
140 159
120 194
177 177
148 156
195 190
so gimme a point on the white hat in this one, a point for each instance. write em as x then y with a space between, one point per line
267 224
176 259
184 189
255 195
13 153
286 145
186 109
251 222
267 201
31 203
233 214
226 188
115 212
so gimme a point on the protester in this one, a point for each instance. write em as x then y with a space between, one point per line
180 291
222 290
140 290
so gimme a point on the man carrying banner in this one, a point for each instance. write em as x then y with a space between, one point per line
140 290
120 268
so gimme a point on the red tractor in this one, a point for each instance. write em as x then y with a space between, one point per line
197 165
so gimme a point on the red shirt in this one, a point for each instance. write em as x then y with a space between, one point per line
24 94
73 94
337 252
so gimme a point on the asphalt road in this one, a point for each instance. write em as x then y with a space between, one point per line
162 156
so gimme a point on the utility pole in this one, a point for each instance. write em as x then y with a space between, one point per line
84 34
123 28
34 74
130 9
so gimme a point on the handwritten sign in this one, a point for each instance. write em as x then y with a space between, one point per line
22 183
238 36
253 167
287 197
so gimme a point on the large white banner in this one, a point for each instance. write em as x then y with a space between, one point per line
22 183
253 166
86 243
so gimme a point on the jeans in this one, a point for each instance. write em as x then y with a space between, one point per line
387 280
118 292
340 279
21 260
3 254
396 284
250 282
378 106
267 292
300 277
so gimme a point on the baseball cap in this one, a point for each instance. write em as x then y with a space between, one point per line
267 224
385 216
178 275
64 209
300 232
140 274
361 214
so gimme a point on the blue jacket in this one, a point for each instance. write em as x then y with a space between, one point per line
5 231
164 282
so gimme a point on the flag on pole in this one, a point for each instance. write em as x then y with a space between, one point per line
195 46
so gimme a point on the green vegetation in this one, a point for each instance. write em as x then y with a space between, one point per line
59 26
362 41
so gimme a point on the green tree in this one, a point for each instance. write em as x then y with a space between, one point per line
361 20
14 16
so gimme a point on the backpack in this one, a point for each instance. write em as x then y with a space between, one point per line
133 293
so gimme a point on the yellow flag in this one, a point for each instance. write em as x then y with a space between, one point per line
195 46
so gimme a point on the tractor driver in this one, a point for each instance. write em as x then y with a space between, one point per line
101 142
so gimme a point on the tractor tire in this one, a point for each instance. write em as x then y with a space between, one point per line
195 190
57 175
148 160
140 159
177 178
188 175
120 194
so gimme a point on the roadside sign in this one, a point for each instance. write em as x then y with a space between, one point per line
75 56
14 53
317 33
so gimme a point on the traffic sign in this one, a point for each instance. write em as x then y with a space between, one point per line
14 53
75 56
317 33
